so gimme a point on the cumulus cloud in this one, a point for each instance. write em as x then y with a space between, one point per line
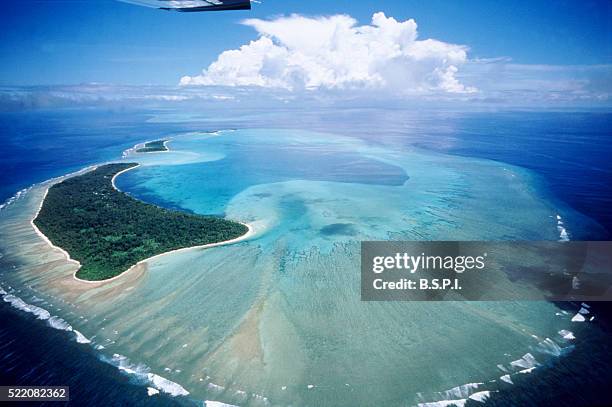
301 53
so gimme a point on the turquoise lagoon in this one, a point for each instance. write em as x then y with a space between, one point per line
277 320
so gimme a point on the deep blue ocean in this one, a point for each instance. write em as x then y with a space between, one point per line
44 144
570 151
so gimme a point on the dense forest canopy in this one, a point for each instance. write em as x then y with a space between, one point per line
108 231
153 146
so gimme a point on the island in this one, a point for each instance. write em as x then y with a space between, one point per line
153 147
107 231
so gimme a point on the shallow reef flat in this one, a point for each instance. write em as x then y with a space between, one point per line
278 320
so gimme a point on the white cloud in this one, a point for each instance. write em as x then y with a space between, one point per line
297 52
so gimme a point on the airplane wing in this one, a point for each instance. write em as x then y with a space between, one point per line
194 5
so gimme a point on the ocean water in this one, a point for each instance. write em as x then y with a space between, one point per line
277 320
52 357
570 150
38 145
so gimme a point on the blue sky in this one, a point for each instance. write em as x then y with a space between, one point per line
71 42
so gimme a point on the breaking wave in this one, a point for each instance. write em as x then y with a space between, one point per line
54 322
20 194
140 372
481 392
458 396
563 233
143 375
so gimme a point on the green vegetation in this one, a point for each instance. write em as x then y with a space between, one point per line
107 231
153 146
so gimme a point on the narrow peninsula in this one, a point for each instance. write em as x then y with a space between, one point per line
107 231
154 147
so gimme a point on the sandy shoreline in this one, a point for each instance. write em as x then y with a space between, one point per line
133 150
142 145
250 232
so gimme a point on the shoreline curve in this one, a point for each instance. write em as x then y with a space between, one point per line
250 233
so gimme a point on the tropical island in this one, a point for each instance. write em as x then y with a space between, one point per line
107 231
153 147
